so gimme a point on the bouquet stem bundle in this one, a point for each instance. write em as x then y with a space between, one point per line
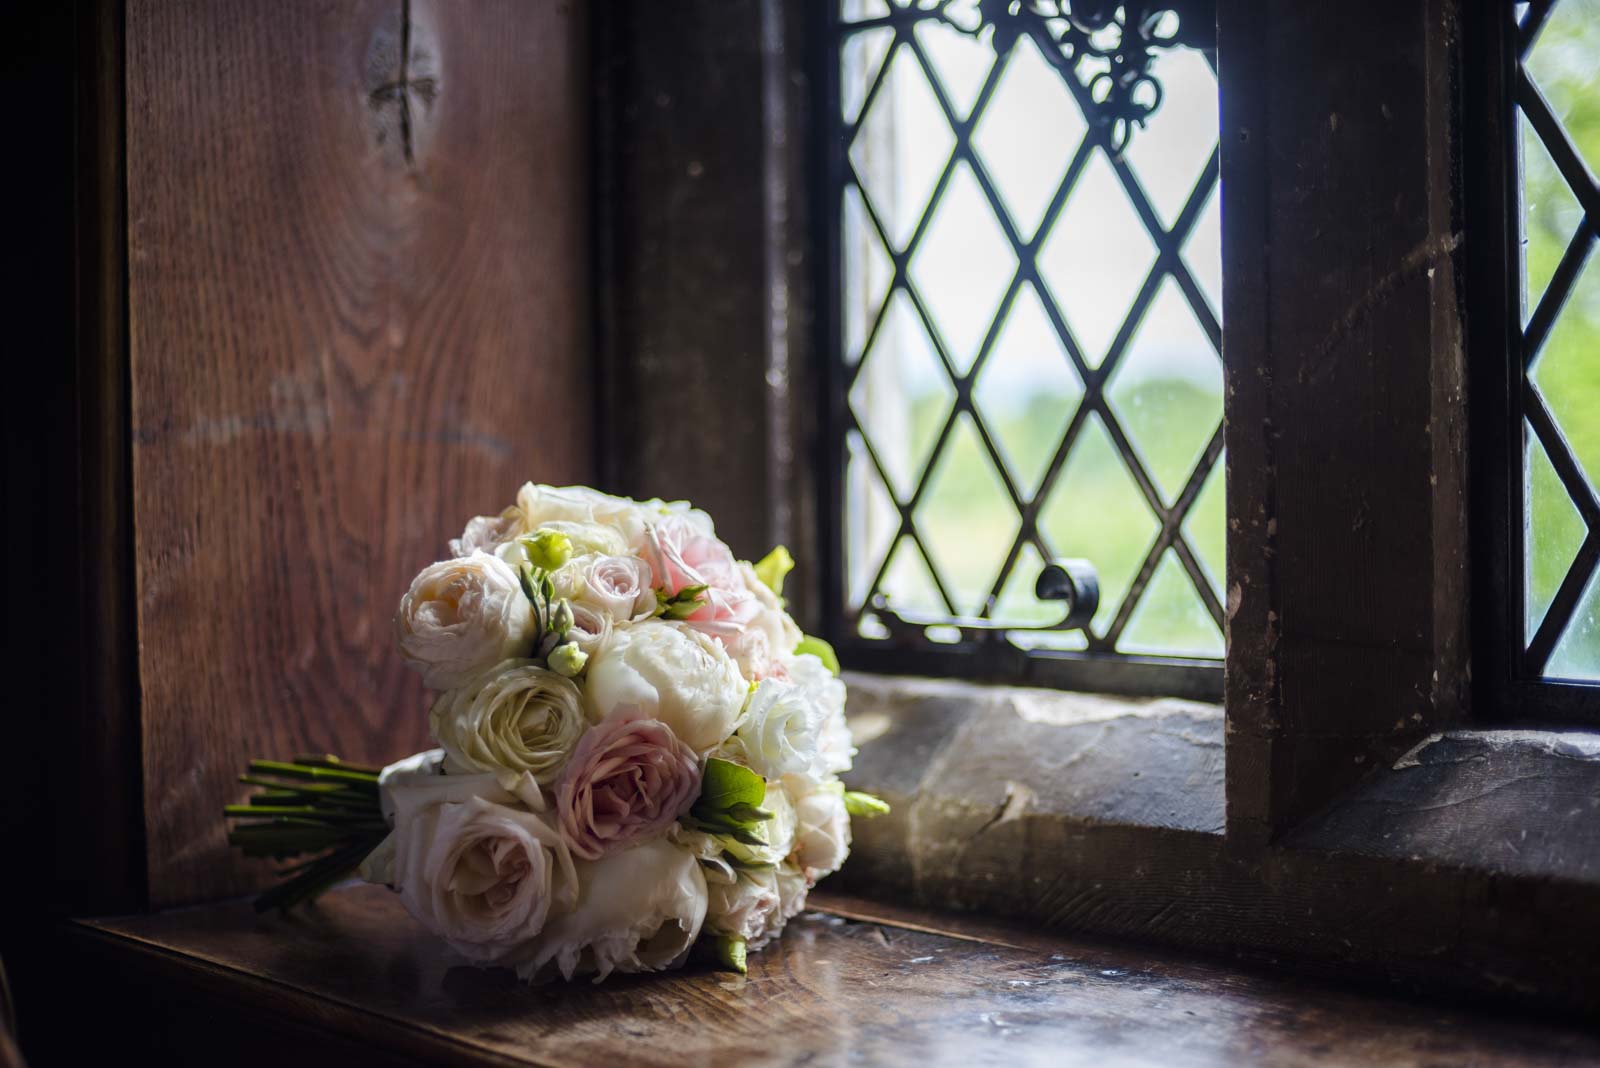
318 807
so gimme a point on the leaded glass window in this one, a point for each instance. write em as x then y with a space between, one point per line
1026 344
1557 95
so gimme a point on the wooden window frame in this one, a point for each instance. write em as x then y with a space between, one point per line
1348 694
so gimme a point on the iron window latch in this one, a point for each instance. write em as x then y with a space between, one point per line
1073 582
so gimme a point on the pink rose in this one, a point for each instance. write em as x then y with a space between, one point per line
683 552
628 779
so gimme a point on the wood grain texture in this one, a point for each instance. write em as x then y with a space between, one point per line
357 262
890 991
1347 557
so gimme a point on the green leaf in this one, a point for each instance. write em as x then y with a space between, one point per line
865 805
819 649
725 784
773 567
731 954
743 813
681 605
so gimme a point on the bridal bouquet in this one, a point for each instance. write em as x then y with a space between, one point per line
638 751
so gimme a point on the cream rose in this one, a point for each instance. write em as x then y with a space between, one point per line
461 617
822 835
486 533
637 911
472 868
617 587
515 717
780 730
591 628
669 672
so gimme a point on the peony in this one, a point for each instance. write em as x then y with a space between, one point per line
617 587
471 868
822 837
780 729
629 778
638 911
461 617
669 672
744 906
515 717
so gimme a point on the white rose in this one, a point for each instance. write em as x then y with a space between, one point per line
515 717
617 586
672 673
822 840
744 906
777 834
637 911
781 631
544 505
835 746
486 533
472 868
780 730
461 617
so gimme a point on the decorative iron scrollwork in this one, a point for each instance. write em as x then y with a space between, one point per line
1073 582
1114 43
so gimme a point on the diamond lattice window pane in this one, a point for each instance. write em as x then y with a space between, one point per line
1550 215
962 267
867 271
1577 654
1096 258
961 62
871 520
1167 390
861 59
901 395
1096 512
909 585
857 10
1205 526
1555 531
902 146
1170 617
1563 63
1027 390
1202 252
967 521
1567 370
1171 151
1028 133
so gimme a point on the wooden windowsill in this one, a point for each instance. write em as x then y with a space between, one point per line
852 981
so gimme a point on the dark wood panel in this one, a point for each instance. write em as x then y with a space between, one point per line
890 989
357 264
704 255
1347 556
